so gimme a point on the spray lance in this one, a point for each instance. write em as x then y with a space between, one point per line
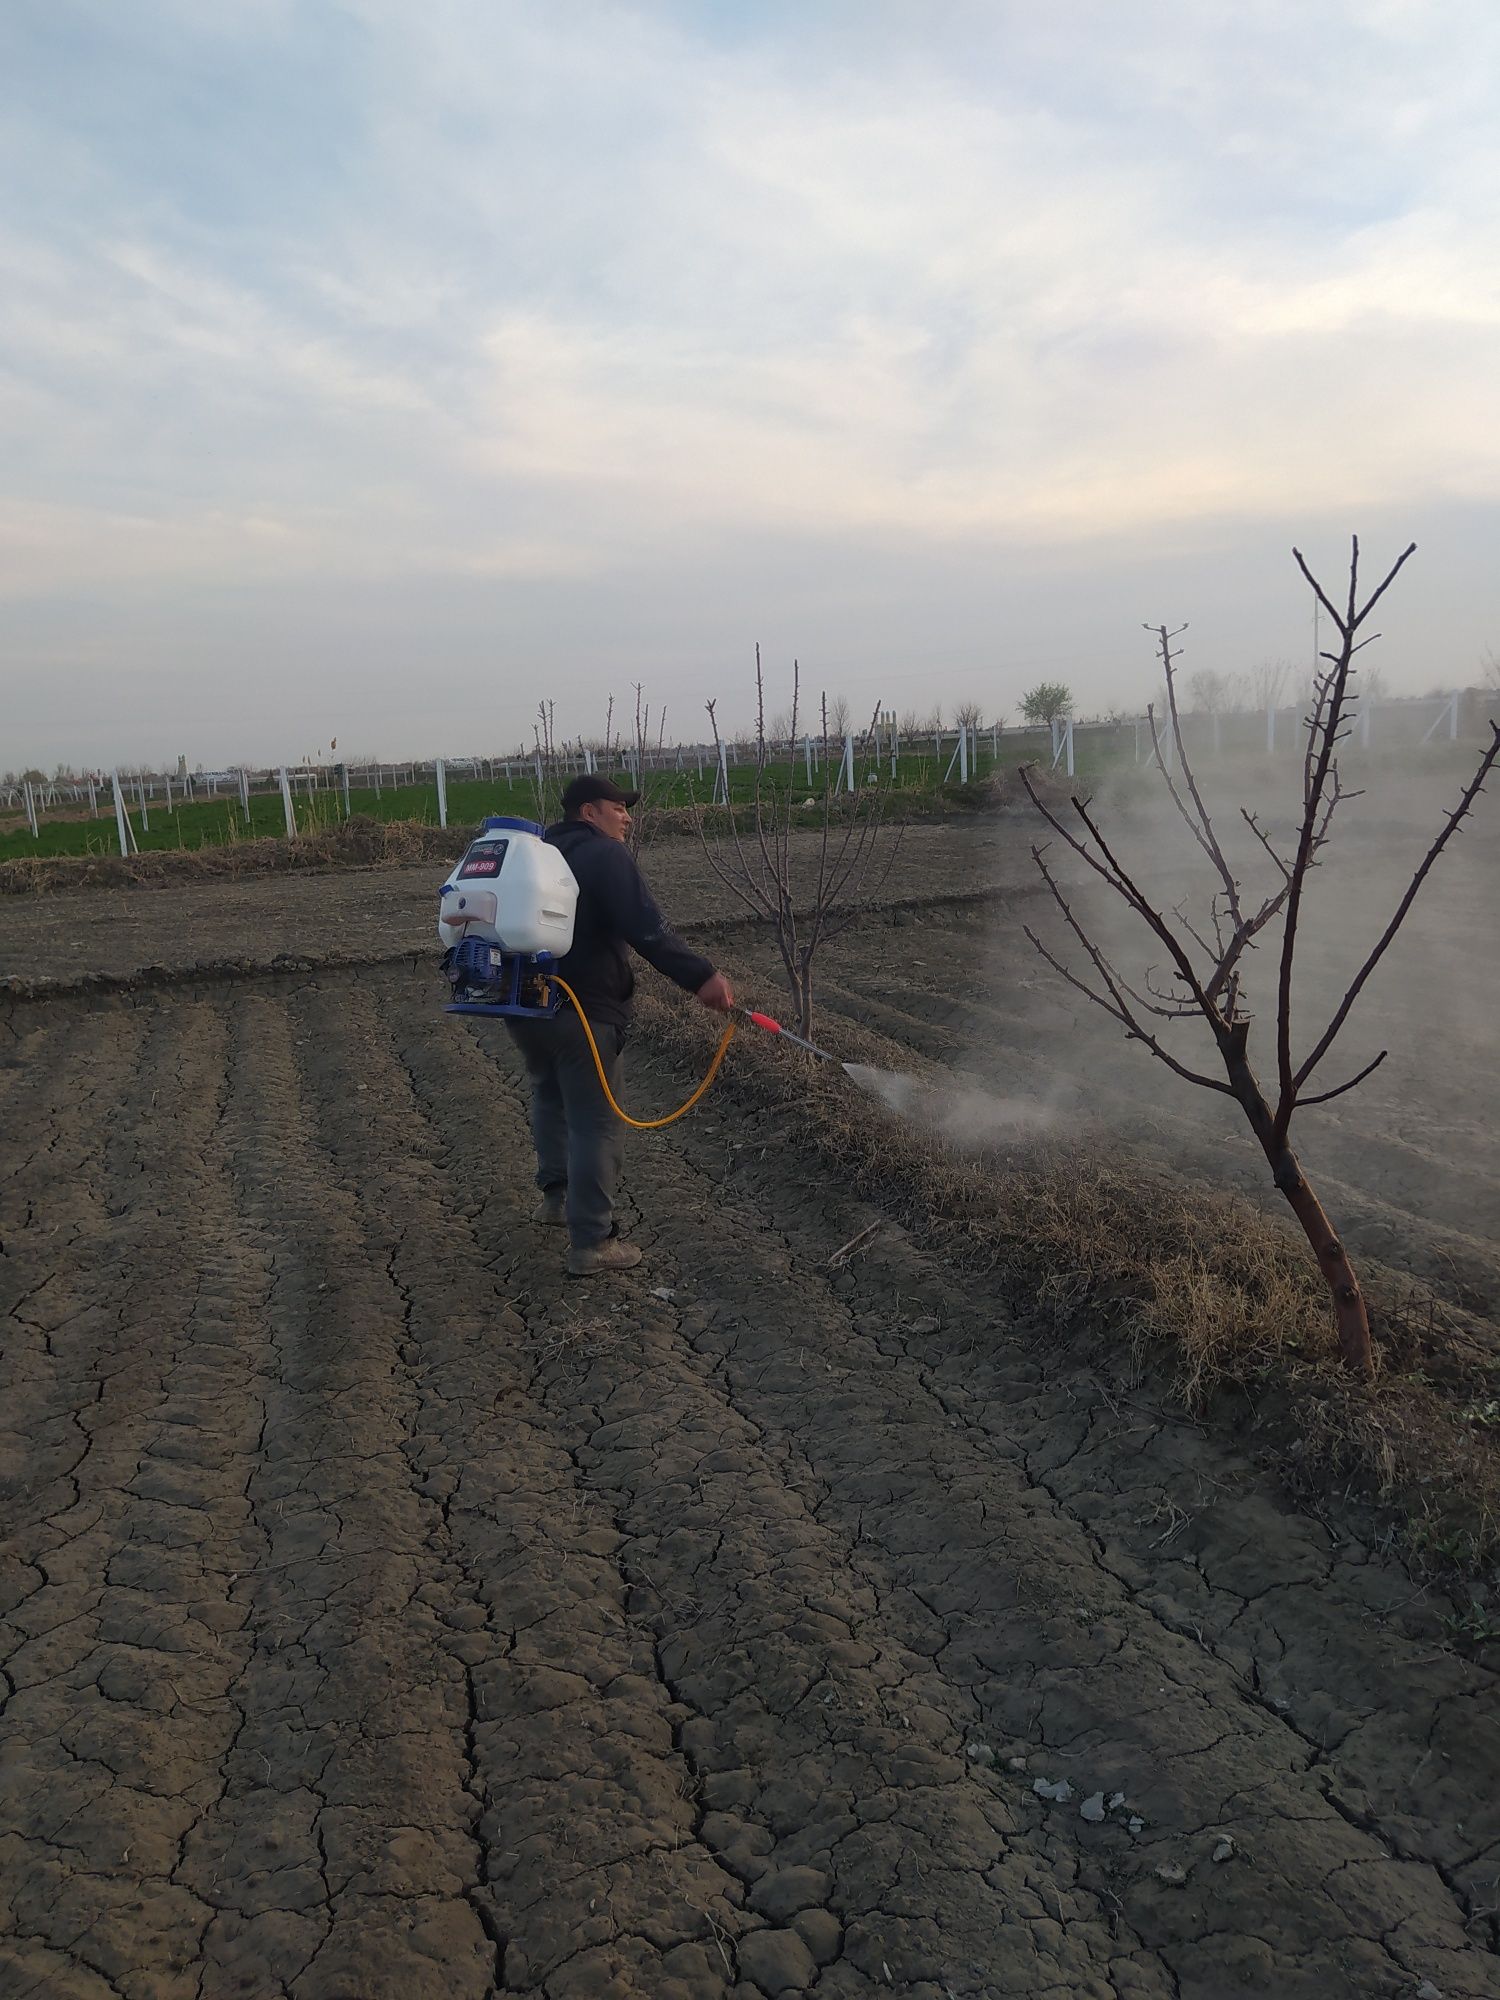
771 1026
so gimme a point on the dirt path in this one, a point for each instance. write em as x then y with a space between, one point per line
354 915
386 1616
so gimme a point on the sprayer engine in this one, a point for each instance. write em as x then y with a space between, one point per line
505 915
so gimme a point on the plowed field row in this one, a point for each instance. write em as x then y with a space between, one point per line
385 1615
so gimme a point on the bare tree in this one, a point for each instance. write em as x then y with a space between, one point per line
836 714
1212 693
1206 961
854 844
546 778
1268 683
649 783
968 715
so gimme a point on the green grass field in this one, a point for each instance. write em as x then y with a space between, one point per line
217 822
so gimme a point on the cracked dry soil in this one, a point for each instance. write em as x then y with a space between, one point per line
384 1616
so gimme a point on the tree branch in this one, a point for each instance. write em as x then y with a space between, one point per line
1454 820
1327 1096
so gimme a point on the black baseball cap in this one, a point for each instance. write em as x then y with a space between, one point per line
590 786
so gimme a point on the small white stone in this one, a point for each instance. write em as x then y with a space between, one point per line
1092 1808
1171 1872
1224 1848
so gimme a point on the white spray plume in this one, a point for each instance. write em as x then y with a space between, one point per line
965 1115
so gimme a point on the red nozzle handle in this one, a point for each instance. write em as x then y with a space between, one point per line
764 1021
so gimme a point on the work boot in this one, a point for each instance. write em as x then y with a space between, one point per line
552 1210
609 1256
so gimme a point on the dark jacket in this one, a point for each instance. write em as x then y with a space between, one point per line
615 909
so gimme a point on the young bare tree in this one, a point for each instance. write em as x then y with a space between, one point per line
1207 961
652 784
546 779
854 843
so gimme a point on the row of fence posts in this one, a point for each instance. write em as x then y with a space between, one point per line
964 761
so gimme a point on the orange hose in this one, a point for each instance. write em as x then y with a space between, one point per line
644 1124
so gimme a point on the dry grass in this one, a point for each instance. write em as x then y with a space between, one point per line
362 842
1168 1276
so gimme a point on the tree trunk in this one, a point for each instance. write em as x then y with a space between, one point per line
804 1003
1350 1317
1349 1313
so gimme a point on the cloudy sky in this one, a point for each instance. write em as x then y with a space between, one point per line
372 370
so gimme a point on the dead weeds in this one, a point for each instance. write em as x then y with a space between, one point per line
1168 1276
362 842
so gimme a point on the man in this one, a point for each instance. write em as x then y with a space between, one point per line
579 1140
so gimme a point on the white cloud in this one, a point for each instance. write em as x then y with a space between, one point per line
546 292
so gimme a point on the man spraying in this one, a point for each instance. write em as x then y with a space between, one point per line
579 1141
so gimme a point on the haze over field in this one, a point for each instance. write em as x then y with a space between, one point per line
367 371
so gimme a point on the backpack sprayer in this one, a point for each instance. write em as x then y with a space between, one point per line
505 917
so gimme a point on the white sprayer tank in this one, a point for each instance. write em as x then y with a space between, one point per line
512 890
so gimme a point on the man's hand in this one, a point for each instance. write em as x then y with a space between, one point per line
717 993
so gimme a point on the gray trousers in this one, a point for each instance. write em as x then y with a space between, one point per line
579 1140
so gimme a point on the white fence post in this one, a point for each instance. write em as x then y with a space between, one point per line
245 793
286 805
31 811
344 773
963 753
848 767
1447 713
807 759
93 800
122 818
441 774
1070 746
